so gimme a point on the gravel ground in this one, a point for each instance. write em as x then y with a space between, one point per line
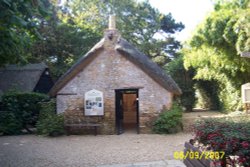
37 151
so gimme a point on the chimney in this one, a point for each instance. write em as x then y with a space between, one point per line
111 35
112 22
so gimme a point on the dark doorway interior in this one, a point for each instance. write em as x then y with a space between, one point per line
127 111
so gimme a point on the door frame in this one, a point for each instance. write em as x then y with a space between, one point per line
118 109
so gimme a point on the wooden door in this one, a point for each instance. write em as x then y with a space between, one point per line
129 108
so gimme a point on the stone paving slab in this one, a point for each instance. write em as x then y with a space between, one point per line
166 163
92 151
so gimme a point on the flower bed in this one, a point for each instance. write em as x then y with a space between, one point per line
228 136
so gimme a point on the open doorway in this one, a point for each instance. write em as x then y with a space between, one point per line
127 111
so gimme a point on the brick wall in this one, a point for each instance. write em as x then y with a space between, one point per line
109 71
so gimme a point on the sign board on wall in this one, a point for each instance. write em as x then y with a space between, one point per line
245 54
245 91
94 103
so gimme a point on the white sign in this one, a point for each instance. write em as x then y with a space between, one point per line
245 90
93 103
245 54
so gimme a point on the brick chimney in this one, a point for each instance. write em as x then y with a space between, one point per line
112 22
111 35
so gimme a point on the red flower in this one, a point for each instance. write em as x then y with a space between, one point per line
212 135
242 160
245 144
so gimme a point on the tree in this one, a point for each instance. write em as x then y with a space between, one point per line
77 25
18 27
138 22
73 28
64 41
214 50
184 80
62 46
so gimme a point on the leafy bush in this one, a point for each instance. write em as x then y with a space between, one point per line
169 121
230 97
24 106
9 125
229 136
50 123
47 108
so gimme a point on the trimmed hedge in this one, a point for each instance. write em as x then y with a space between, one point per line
23 107
9 125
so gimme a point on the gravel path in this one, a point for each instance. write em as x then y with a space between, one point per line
35 151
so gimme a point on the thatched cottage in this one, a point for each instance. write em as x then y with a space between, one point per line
27 78
114 85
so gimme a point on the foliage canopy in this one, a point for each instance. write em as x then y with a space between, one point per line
215 48
138 22
19 21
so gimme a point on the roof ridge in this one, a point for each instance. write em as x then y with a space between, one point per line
133 54
30 66
150 67
76 68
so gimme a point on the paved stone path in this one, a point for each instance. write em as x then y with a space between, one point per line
166 163
126 150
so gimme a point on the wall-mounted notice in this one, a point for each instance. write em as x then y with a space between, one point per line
245 91
93 103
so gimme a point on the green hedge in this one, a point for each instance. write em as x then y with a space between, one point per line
9 125
23 107
50 123
169 121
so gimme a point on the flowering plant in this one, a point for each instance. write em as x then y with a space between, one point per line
228 136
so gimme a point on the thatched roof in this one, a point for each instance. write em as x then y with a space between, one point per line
148 66
132 54
22 78
76 68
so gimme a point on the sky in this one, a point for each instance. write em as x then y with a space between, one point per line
189 12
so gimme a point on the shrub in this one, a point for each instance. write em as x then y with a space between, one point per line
50 123
24 106
169 121
226 135
47 108
9 125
